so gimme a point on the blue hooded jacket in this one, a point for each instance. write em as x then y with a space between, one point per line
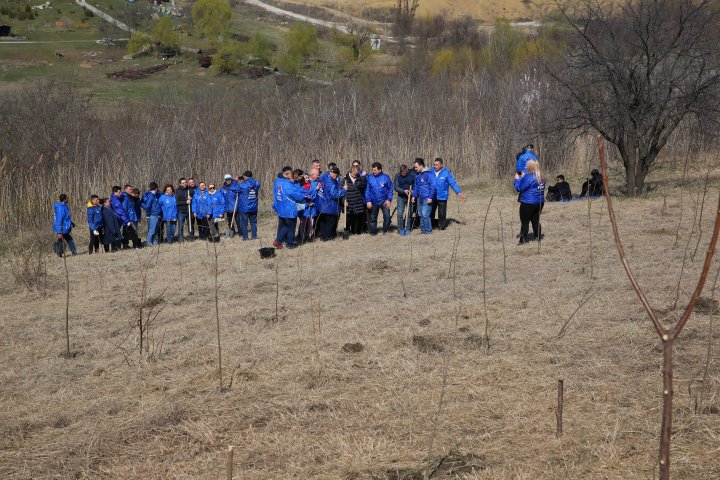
329 195
201 205
249 189
217 204
151 203
286 195
379 189
128 204
168 205
530 190
62 223
444 180
230 194
424 186
116 203
94 216
521 164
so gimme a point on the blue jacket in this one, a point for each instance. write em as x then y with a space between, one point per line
119 209
329 195
249 195
530 190
217 204
129 205
62 223
151 203
230 194
286 195
311 195
201 205
404 183
168 205
94 216
379 189
521 164
424 186
444 180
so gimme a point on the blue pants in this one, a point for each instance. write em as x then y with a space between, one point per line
153 222
424 211
374 218
170 231
286 231
252 217
403 223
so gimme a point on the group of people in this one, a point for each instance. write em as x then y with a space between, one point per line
114 221
309 204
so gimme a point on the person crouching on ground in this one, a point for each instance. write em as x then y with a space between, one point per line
531 188
422 194
286 195
560 191
62 226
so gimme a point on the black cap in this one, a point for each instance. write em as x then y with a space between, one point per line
335 170
247 173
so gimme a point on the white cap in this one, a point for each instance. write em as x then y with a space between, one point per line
228 176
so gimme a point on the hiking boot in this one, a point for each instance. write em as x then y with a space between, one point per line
278 245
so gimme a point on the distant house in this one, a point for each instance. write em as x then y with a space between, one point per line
4 30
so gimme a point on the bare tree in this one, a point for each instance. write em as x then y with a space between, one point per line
634 70
405 15
667 335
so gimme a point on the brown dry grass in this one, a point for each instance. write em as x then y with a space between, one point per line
368 414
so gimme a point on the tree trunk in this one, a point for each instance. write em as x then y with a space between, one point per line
636 165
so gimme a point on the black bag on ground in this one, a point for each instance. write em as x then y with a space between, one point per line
267 252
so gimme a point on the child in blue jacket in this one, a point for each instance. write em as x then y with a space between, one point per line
95 223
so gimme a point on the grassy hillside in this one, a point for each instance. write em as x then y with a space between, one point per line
302 406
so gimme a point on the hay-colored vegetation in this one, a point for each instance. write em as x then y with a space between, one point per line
364 409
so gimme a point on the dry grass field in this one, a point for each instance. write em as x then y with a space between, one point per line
301 406
486 10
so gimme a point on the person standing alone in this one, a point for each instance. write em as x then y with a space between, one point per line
62 226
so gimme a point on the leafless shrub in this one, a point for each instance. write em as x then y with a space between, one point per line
28 263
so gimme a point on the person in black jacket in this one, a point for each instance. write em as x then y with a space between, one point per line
112 230
355 197
183 197
560 191
593 186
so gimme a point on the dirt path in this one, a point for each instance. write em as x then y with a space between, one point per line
104 16
297 16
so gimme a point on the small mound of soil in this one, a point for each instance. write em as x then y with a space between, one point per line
428 343
707 306
352 348
474 341
424 323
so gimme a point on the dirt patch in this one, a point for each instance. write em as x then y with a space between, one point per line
474 341
707 306
428 343
352 348
454 465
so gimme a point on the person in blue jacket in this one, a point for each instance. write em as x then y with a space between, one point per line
444 181
151 204
286 195
403 185
231 193
423 193
123 210
531 188
378 196
169 208
95 223
523 157
217 212
249 189
112 230
202 210
307 211
62 226
328 203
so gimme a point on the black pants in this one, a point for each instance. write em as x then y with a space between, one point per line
354 222
130 235
441 207
94 243
203 227
327 226
529 214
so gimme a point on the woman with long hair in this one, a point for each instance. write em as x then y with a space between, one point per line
531 187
